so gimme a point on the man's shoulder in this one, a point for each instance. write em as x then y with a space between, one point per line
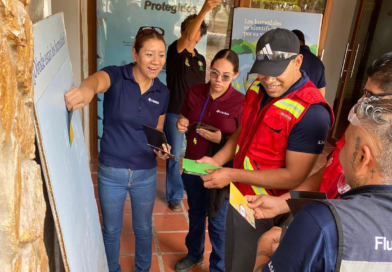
320 213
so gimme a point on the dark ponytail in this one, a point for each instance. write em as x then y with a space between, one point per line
229 55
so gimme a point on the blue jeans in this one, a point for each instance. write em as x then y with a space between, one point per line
113 186
198 201
174 186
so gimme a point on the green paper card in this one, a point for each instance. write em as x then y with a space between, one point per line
194 168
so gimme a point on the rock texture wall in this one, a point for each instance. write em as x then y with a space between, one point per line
22 206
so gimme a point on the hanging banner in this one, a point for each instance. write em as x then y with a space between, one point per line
250 24
63 153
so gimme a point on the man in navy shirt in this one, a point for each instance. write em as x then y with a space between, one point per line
185 67
311 64
351 234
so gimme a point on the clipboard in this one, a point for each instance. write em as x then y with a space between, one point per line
199 169
195 126
238 201
156 139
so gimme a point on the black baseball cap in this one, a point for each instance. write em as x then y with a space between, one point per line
278 39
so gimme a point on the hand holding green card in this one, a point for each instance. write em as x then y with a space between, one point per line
194 168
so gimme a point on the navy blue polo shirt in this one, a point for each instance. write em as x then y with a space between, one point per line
124 143
313 67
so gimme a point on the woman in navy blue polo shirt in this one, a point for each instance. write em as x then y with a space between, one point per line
133 96
219 105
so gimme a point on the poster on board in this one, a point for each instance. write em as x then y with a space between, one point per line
250 24
63 153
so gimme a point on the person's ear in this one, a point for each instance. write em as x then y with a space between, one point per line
134 54
365 161
298 61
236 74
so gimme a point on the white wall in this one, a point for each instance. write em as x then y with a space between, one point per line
340 23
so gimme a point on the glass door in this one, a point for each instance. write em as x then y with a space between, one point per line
370 39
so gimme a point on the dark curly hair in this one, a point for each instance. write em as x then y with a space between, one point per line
187 22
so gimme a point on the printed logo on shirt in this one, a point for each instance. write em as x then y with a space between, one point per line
321 142
271 267
329 162
382 243
222 112
284 115
201 66
153 101
187 62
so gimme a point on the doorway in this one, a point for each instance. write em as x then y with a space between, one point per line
370 38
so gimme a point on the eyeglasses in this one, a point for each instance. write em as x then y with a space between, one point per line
225 78
370 93
148 30
273 55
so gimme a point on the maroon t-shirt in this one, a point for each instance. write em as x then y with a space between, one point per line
223 113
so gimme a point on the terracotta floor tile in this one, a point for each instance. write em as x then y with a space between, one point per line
98 206
161 191
172 242
127 223
327 144
170 222
170 260
94 168
127 242
322 159
96 191
185 202
128 263
207 260
207 244
127 207
94 177
161 206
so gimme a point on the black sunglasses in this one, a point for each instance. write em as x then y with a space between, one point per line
148 30
371 94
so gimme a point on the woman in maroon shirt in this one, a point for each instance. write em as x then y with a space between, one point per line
219 105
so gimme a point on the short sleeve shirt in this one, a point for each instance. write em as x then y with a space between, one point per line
124 143
310 243
182 72
223 113
313 67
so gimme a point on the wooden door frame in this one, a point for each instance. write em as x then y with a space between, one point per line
92 67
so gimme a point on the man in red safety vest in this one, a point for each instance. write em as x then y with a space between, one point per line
283 130
330 178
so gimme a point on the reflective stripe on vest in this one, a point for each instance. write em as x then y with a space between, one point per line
291 106
255 86
248 166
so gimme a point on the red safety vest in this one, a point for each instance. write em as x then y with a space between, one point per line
333 175
263 140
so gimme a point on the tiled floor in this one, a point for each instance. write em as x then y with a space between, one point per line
169 228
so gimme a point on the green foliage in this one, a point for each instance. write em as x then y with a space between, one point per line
238 49
313 49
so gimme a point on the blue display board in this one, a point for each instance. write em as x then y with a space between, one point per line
250 24
64 161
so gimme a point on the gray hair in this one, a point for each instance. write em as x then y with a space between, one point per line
375 115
